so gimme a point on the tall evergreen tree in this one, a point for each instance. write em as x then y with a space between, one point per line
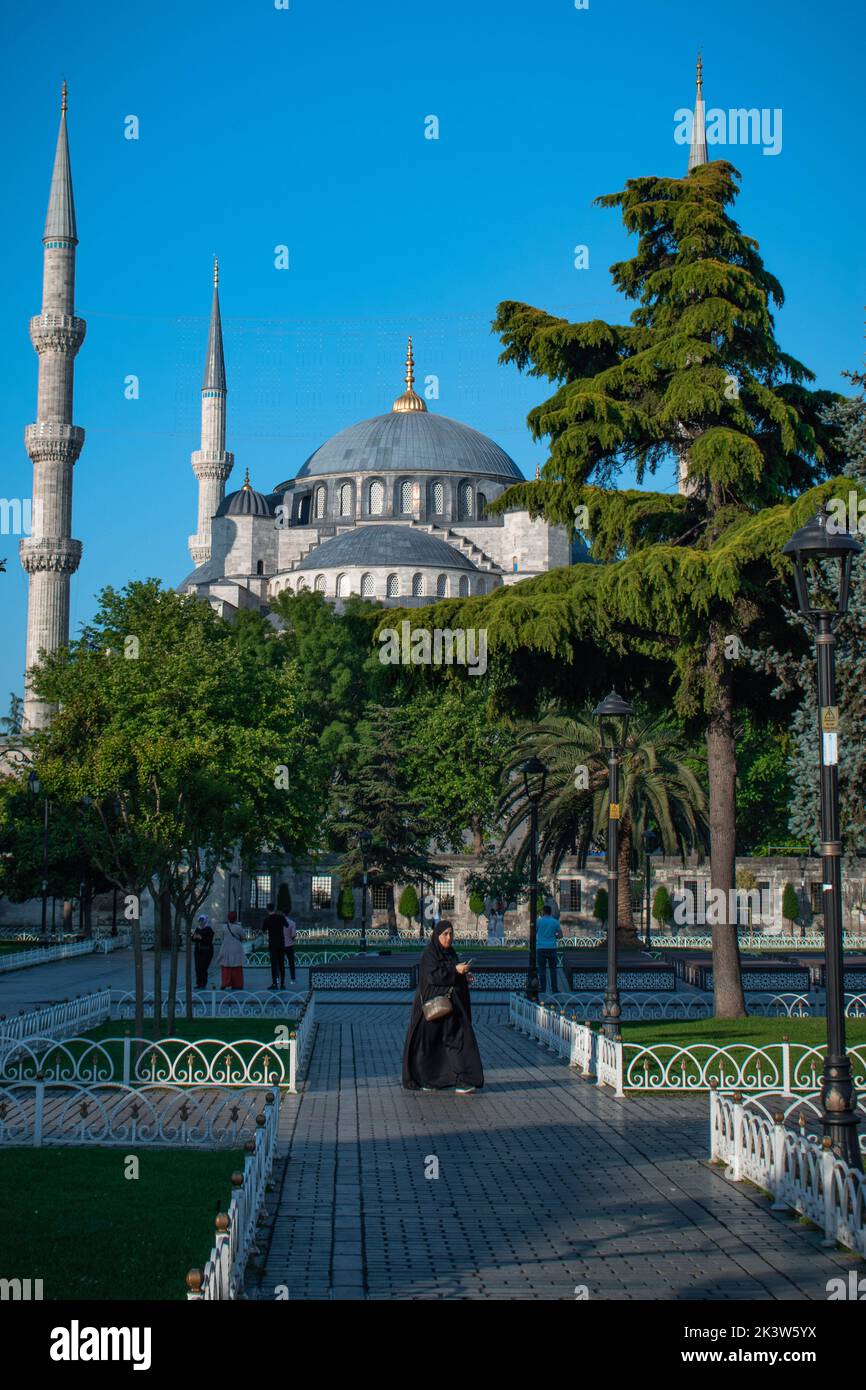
695 381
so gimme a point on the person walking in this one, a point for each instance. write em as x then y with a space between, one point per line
441 1053
231 956
496 926
290 936
202 937
547 933
275 926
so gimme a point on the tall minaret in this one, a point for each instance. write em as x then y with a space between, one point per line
698 144
211 464
49 554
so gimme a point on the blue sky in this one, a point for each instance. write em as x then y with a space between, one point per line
304 127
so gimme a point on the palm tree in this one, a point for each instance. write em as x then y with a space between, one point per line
658 788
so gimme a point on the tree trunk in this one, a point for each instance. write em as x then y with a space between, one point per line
188 977
477 829
393 929
722 774
172 973
138 968
626 935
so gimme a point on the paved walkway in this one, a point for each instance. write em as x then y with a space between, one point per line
546 1185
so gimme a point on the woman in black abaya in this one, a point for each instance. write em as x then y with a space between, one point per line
442 1053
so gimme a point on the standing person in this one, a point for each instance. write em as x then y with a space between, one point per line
496 925
231 956
203 949
275 925
442 1053
290 936
547 933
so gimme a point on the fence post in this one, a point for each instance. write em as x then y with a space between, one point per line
828 1158
293 1063
126 1052
779 1204
713 1109
193 1283
735 1168
618 1055
38 1110
786 1065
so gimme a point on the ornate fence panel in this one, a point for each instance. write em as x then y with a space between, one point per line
69 1113
301 1042
58 1020
222 1277
138 1062
20 960
796 1171
213 1003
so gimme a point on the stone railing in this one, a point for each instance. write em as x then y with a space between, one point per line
49 1112
222 1277
798 1174
58 1020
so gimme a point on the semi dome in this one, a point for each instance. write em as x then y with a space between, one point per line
245 502
411 441
385 545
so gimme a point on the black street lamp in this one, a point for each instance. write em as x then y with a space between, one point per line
84 806
650 845
613 715
534 781
822 576
365 839
35 788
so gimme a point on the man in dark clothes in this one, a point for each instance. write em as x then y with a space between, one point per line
202 937
274 925
443 1052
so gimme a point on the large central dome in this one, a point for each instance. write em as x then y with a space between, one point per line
411 442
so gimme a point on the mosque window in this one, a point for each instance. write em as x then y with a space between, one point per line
260 566
405 496
482 504
464 500
464 586
319 503
482 586
342 586
346 499
320 892
440 586
260 890
438 497
377 497
320 584
367 586
302 583
417 585
392 586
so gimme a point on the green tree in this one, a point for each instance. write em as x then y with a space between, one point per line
663 908
409 906
599 907
790 904
284 897
346 903
763 785
11 722
476 905
696 380
499 877
657 787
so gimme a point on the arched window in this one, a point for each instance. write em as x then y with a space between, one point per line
392 587
342 586
367 587
464 586
514 563
260 566
302 583
320 584
482 586
437 498
405 496
441 583
464 501
482 504
346 499
417 586
377 497
319 503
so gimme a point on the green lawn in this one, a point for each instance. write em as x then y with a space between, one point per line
810 1031
72 1219
226 1029
10 947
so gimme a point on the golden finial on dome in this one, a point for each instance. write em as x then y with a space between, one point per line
216 271
63 96
247 483
409 400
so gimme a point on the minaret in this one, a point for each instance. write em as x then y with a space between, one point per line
698 145
49 554
409 400
211 464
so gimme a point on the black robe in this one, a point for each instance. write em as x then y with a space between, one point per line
442 1053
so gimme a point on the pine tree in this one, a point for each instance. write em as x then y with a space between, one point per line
679 581
409 906
599 907
663 908
790 903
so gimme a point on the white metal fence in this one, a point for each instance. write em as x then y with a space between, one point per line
129 1061
798 1173
213 1003
302 1041
222 1277
57 1020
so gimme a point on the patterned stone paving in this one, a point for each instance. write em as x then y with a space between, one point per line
546 1183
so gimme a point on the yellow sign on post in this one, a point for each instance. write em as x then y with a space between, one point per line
614 810
830 719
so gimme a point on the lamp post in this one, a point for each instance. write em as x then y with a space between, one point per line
613 715
534 780
84 806
365 839
650 844
35 788
822 560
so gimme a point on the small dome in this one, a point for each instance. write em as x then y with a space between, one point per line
245 502
385 545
